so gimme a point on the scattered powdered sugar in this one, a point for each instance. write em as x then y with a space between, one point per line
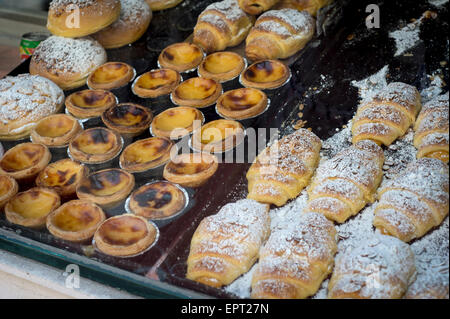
372 85
300 21
229 8
438 3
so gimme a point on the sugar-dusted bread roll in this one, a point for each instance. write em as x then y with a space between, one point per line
311 6
255 7
227 244
222 24
381 267
415 201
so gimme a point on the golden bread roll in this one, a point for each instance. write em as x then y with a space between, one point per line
24 100
157 5
415 201
135 17
222 24
66 61
255 7
296 259
279 34
79 18
311 6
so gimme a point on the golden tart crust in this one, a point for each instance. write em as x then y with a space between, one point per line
242 103
156 83
111 75
146 154
125 235
128 118
89 103
31 208
176 122
25 161
221 66
191 169
56 130
62 176
218 136
197 92
157 200
75 221
181 57
267 74
8 189
107 187
95 145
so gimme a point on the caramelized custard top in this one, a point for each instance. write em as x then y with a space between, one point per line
125 230
21 157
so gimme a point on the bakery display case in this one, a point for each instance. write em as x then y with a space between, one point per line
312 90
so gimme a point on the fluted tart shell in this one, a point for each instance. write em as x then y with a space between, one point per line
111 75
8 189
128 118
176 122
242 103
266 74
197 92
56 130
156 83
218 136
221 66
90 103
181 57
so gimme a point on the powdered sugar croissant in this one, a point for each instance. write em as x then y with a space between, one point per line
311 6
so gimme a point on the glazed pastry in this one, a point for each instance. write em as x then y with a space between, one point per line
95 146
157 5
31 208
157 201
156 83
284 169
218 136
197 92
107 188
388 116
8 189
55 130
176 122
75 221
295 259
93 16
146 154
279 34
221 66
222 24
431 129
191 169
90 103
267 74
66 61
128 119
62 176
415 201
256 7
226 245
24 100
111 75
125 235
311 6
181 57
24 161
379 268
344 184
240 104
135 17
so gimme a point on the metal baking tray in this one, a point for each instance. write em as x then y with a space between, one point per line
345 50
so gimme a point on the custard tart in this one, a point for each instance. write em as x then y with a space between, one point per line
267 74
197 92
128 119
156 83
146 154
218 136
8 189
89 103
62 176
181 57
75 221
176 122
111 75
158 201
25 161
241 104
56 130
31 208
107 187
125 236
191 169
221 66
95 145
